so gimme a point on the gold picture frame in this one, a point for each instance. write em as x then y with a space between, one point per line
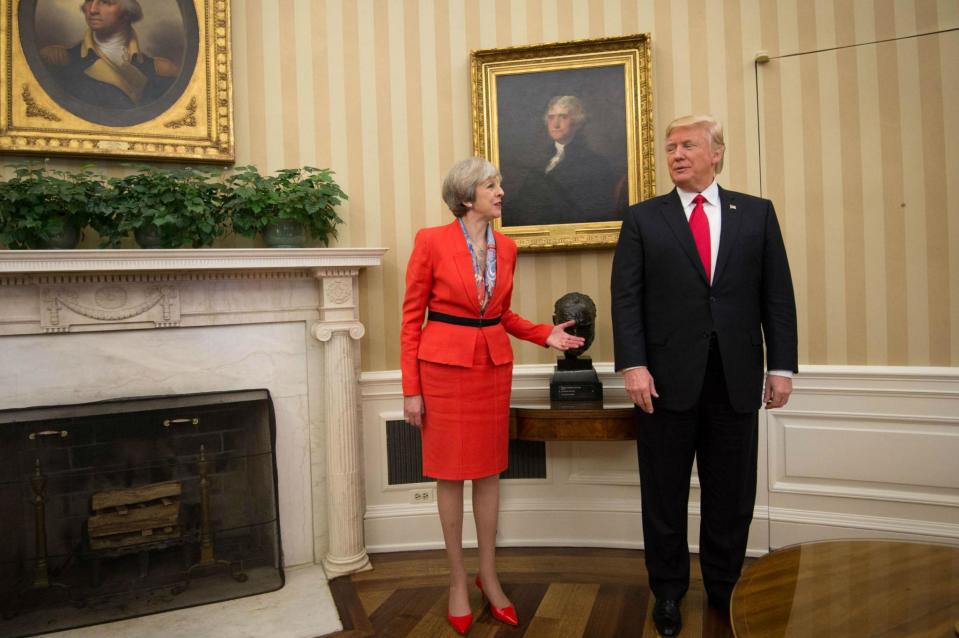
608 155
170 96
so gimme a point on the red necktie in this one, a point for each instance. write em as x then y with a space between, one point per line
700 227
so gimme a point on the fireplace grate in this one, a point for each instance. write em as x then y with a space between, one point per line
133 506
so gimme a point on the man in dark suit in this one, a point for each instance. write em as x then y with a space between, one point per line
700 280
568 182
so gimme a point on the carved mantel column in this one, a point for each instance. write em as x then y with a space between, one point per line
338 329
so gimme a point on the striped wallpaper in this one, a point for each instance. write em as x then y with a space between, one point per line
844 128
854 142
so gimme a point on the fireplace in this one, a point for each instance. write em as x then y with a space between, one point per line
126 507
94 326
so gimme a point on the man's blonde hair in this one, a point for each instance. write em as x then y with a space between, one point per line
713 129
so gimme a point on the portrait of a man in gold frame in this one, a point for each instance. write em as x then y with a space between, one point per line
570 127
163 92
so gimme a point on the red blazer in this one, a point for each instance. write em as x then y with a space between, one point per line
440 276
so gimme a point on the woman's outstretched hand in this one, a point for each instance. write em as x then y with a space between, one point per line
562 340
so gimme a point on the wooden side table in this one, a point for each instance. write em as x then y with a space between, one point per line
573 421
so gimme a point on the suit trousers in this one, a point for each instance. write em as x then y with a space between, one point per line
724 444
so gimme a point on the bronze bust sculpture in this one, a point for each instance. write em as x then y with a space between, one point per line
579 307
574 378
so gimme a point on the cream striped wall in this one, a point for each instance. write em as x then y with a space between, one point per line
855 143
845 128
378 90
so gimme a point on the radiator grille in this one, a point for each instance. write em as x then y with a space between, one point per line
404 453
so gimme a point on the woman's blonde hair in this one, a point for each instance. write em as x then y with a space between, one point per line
460 184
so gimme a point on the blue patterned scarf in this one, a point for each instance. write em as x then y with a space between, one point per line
485 280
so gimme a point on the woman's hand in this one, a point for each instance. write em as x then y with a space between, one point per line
562 340
413 410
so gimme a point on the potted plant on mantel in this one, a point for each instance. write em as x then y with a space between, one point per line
41 208
163 208
284 206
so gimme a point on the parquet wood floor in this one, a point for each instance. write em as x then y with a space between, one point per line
558 593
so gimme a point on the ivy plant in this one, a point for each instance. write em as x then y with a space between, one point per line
305 195
38 204
183 204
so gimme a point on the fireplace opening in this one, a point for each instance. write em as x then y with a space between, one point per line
134 506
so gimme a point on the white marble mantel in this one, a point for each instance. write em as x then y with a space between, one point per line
185 259
89 325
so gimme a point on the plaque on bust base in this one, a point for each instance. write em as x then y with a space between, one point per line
575 379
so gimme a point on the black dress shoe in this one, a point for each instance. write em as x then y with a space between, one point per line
667 617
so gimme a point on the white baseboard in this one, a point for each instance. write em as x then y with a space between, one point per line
537 523
788 527
860 452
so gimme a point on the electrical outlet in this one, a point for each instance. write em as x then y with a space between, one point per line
421 496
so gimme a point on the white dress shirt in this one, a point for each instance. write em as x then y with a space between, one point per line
114 48
557 158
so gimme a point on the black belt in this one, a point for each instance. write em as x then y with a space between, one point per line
477 322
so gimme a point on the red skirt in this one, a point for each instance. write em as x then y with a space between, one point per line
466 420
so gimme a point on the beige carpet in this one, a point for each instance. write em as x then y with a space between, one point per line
303 608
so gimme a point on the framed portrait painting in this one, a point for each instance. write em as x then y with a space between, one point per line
570 127
147 79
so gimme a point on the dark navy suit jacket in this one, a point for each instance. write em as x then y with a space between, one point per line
664 309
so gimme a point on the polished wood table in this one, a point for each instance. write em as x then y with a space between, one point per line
863 588
573 421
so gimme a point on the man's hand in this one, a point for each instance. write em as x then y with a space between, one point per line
413 410
777 391
641 388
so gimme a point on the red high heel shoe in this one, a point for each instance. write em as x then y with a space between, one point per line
460 624
503 614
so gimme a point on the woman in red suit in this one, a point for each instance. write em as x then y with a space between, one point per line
458 368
